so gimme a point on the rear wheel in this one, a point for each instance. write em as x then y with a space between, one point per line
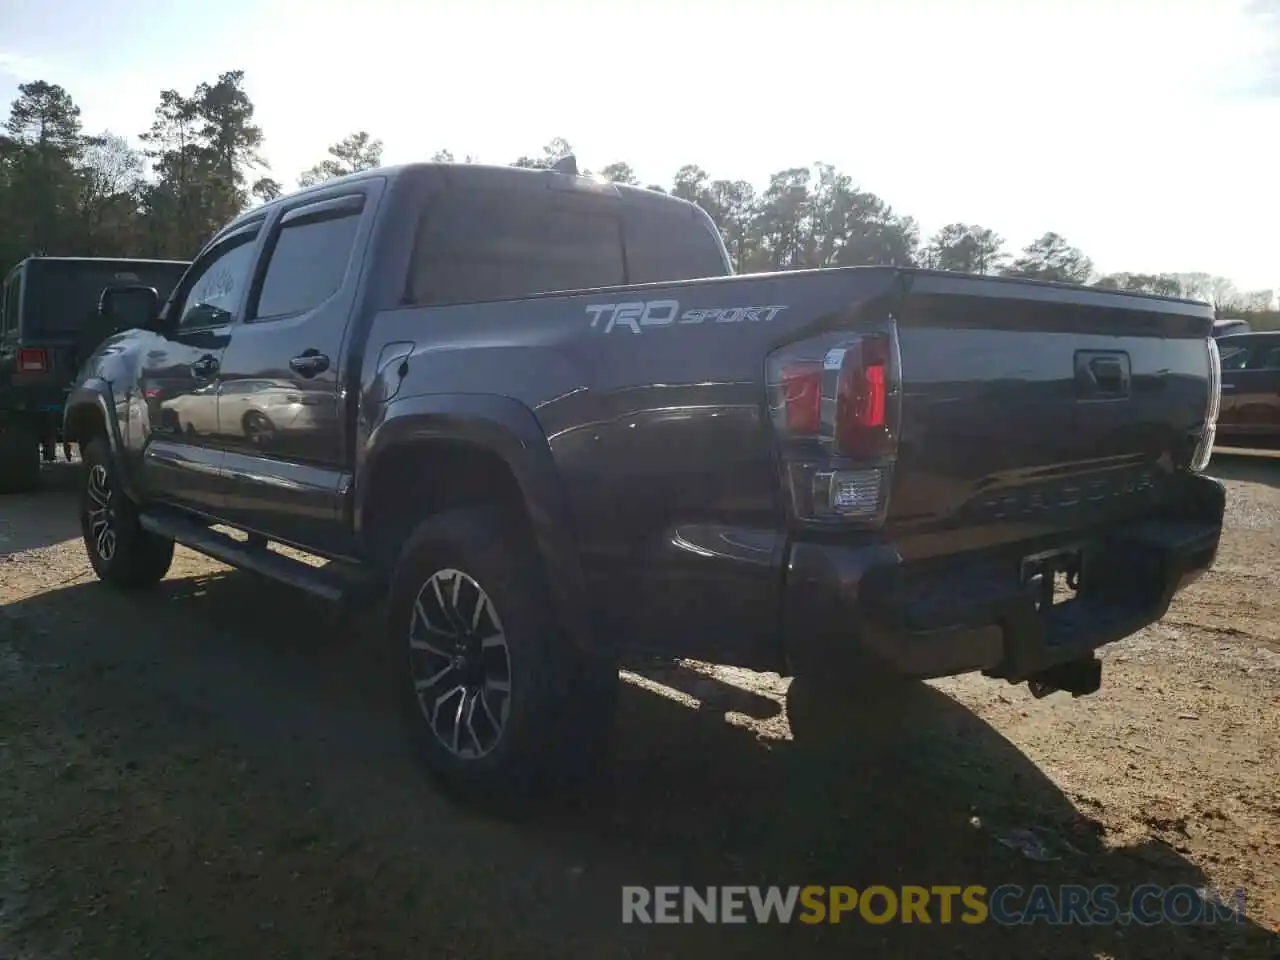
122 553
19 457
499 703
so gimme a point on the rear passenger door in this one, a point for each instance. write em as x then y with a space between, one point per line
281 405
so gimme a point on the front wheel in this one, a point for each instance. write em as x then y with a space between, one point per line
497 699
122 553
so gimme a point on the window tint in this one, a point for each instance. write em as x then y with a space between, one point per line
672 244
495 246
1270 359
308 265
9 306
12 301
217 285
1235 358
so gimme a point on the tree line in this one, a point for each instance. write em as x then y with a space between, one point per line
67 192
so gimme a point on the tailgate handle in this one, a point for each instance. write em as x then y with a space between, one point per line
1102 373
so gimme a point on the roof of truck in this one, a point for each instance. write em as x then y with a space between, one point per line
484 175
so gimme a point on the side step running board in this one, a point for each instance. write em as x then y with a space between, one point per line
335 582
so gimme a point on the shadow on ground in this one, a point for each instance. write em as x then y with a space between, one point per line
46 515
913 789
1246 466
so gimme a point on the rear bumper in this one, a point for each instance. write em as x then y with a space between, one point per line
848 604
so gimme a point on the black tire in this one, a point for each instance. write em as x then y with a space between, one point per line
551 727
19 457
122 553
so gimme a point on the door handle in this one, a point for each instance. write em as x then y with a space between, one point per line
206 366
309 363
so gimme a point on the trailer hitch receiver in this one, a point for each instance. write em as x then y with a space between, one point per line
1076 677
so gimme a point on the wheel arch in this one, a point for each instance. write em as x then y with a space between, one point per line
430 453
89 412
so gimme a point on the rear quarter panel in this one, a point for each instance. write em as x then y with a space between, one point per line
652 402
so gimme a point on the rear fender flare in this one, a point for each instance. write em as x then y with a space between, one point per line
508 429
95 393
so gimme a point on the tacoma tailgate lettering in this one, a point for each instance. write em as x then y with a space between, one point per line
663 313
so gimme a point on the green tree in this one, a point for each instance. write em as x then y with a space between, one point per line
201 164
1257 301
690 184
781 227
231 140
44 145
732 205
353 153
964 248
620 173
1162 284
110 173
177 200
1050 257
265 189
556 149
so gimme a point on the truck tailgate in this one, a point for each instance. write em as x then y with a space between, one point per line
1032 408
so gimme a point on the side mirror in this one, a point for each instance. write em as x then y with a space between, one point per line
127 308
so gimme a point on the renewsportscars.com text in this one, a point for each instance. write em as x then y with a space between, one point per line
1009 904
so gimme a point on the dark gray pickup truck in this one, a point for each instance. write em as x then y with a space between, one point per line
538 416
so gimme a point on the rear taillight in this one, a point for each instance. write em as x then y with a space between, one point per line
834 406
1204 449
33 360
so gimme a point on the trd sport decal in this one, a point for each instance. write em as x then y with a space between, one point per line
664 313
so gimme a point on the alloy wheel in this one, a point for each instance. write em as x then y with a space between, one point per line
460 664
101 513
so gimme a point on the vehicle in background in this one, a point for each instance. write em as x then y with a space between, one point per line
551 430
1250 409
49 322
1229 326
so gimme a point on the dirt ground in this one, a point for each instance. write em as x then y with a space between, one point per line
187 774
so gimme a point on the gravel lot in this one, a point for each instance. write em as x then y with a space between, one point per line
182 774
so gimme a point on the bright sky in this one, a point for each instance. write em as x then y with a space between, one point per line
1145 131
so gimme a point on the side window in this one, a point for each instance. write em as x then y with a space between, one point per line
669 245
9 306
1235 358
476 246
1270 359
309 260
217 285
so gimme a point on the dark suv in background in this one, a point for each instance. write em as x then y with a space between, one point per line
49 324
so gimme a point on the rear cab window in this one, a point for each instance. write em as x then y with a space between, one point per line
481 245
671 242
476 245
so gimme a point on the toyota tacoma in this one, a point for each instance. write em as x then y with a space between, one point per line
538 417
